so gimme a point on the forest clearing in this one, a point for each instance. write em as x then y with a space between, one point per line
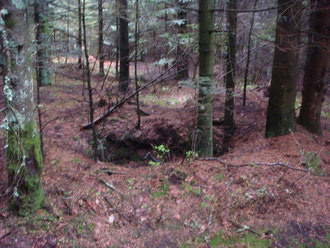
153 145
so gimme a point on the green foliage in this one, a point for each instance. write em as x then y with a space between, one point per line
191 156
197 191
220 177
162 152
162 190
76 161
312 161
152 163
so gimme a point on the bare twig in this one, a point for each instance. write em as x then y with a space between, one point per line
252 164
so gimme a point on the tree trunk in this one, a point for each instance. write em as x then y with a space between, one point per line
182 68
100 53
117 40
80 65
89 83
246 73
317 64
166 48
124 47
138 125
229 124
205 91
281 105
24 157
67 35
42 37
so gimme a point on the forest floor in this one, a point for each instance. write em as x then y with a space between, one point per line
180 201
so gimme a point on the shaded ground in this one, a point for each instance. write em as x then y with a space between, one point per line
181 203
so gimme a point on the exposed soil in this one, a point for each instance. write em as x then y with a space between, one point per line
181 202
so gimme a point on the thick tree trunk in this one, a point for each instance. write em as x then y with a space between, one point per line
205 92
42 37
281 105
24 157
317 64
182 68
124 47
229 124
89 83
100 53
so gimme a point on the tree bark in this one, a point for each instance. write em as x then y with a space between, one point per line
246 72
42 37
138 125
205 88
124 47
24 157
182 67
229 124
80 64
89 83
281 105
117 40
100 52
317 64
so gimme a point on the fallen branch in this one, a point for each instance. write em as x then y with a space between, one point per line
5 235
252 164
117 211
125 99
244 227
111 187
110 172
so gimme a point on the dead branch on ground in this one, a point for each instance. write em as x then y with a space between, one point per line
252 164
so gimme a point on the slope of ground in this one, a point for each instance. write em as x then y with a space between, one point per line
180 203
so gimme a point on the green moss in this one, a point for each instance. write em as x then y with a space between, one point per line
249 239
25 160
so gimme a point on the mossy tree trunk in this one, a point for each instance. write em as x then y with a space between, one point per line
205 88
24 157
42 39
124 47
281 105
101 54
317 64
229 123
182 67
